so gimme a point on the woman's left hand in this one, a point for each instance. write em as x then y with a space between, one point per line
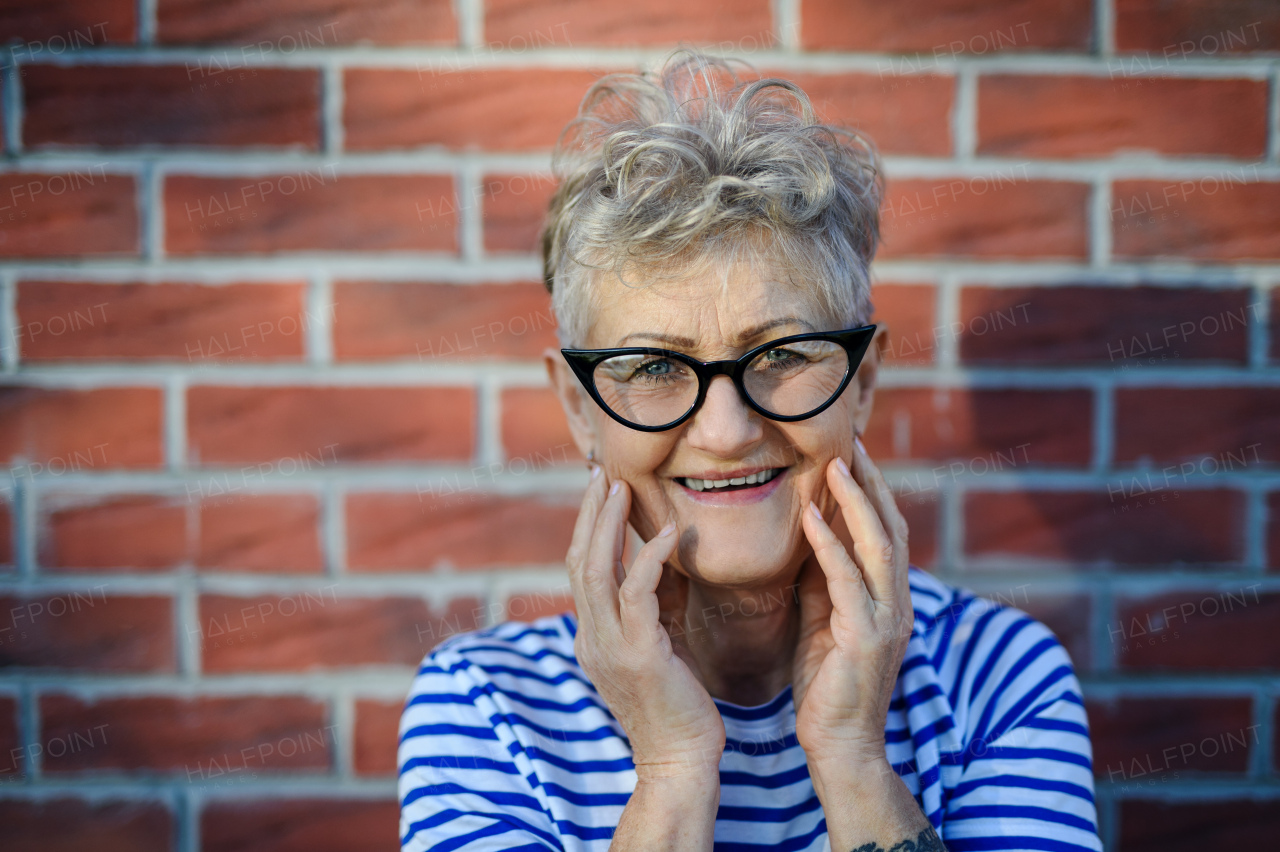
855 620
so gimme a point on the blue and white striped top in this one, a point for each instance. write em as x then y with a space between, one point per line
505 745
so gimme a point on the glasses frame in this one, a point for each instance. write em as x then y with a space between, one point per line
854 340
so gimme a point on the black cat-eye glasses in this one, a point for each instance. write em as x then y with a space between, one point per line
791 378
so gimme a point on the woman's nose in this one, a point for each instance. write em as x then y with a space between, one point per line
725 423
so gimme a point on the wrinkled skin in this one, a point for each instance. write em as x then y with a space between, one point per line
737 601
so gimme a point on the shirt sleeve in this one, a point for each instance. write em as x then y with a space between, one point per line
1027 781
460 786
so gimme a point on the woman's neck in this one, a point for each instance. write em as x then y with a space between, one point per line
743 640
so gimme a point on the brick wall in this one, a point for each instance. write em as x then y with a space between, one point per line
273 423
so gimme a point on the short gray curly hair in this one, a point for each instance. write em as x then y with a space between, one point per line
664 172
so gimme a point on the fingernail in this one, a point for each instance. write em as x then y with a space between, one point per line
595 471
857 440
814 509
667 530
844 468
613 489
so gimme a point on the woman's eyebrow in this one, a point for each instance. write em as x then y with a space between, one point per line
749 334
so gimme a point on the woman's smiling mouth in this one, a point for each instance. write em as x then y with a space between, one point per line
732 490
730 483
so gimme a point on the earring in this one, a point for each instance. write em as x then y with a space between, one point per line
591 457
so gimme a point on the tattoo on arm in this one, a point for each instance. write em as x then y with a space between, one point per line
928 841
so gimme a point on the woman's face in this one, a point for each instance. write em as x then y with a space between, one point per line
736 538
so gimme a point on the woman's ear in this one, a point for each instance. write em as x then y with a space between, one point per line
865 377
573 399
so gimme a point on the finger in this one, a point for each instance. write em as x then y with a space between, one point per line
599 579
813 596
580 544
891 518
673 601
873 483
592 499
845 583
873 549
637 596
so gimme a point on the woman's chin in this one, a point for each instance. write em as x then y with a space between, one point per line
736 564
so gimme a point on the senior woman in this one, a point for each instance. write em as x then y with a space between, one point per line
768 671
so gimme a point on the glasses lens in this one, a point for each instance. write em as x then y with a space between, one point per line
650 390
797 378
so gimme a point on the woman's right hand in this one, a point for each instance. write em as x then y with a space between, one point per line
624 642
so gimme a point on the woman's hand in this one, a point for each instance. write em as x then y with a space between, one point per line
624 645
855 621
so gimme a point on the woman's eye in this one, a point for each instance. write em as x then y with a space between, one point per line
656 367
782 355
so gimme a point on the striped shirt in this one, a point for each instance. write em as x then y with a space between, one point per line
505 744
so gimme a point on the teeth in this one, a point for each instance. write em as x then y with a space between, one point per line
751 479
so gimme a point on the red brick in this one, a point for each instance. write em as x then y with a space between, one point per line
1122 326
1213 630
199 104
460 616
1273 534
425 321
530 606
1004 215
1212 28
317 630
1189 826
908 311
68 214
459 107
13 755
518 26
900 114
64 430
1218 429
1218 217
455 523
289 25
134 532
56 27
299 825
534 428
73 825
1146 528
198 739
269 533
310 211
87 630
60 320
934 26
277 533
515 207
988 430
1068 616
1076 116
376 736
315 426
1164 738
6 537
920 510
